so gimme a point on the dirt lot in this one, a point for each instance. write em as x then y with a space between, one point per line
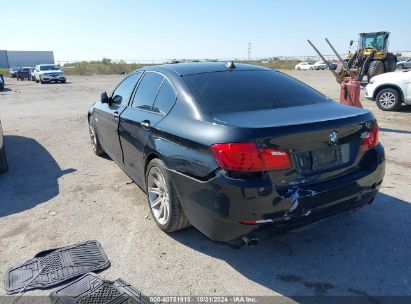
58 192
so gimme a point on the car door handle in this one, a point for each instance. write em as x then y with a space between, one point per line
115 114
145 124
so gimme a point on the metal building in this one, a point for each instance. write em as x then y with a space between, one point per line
10 59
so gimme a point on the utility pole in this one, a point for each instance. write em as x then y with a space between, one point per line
249 51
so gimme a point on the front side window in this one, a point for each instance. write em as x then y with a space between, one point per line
147 91
122 93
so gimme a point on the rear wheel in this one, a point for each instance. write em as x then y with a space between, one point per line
376 68
388 100
95 143
163 201
3 160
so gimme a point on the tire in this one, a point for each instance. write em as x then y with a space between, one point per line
376 68
298 69
388 100
161 193
1 87
63 81
3 160
401 66
37 81
95 142
311 69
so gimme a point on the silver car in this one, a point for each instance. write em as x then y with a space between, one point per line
3 161
406 64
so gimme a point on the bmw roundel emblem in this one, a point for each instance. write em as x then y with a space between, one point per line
333 138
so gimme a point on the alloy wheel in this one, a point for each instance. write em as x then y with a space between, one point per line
158 196
387 100
93 136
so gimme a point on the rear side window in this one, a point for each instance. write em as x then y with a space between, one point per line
122 93
147 91
165 98
239 91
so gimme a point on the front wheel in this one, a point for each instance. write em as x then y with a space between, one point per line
376 68
95 143
3 160
388 100
163 201
401 66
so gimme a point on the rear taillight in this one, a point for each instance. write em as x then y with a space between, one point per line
372 138
246 157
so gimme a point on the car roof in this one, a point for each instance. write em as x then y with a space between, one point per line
183 69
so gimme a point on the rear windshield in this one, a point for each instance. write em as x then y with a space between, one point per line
239 91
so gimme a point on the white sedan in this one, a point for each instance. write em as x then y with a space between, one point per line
304 66
390 90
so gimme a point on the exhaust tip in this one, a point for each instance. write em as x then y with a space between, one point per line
250 240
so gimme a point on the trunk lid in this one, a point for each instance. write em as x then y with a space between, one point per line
323 140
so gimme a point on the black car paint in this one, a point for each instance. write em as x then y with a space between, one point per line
23 73
214 200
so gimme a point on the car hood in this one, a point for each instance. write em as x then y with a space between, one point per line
393 76
314 113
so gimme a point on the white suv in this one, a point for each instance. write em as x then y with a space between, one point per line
390 90
48 73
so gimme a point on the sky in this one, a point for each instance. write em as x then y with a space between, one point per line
135 30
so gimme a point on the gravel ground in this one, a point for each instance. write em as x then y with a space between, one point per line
58 192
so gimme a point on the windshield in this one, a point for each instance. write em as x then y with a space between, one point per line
374 41
48 67
238 91
25 69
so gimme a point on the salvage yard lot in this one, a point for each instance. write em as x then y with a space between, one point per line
58 192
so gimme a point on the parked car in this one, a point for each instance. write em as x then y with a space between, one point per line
334 65
23 73
320 65
3 159
390 90
13 72
304 66
49 73
234 148
406 64
2 83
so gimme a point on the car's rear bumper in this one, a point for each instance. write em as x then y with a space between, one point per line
216 206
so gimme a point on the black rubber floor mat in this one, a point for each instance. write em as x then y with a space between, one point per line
54 266
90 289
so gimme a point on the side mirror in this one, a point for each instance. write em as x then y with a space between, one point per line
104 98
351 42
117 99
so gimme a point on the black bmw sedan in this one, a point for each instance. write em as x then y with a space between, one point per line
232 148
